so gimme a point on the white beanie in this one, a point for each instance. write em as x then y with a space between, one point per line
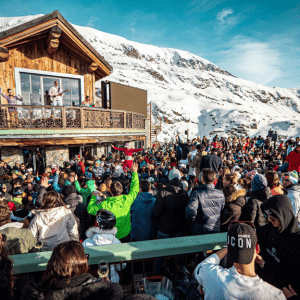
174 173
184 184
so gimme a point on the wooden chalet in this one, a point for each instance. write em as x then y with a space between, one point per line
32 56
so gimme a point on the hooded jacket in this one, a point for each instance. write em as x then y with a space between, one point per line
293 192
119 206
169 208
82 287
233 208
204 209
82 217
19 240
142 224
98 237
280 248
54 226
253 211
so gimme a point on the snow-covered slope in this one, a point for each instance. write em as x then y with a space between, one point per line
189 92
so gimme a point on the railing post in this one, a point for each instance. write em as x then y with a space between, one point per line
125 120
82 117
64 118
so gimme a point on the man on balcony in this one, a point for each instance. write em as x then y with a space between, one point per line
56 94
13 112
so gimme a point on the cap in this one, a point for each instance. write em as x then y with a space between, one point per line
241 240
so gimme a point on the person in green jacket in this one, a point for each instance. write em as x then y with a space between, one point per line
88 189
119 204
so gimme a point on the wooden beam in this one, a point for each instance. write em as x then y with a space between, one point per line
92 67
52 42
4 53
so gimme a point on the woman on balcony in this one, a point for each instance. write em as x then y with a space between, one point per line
13 112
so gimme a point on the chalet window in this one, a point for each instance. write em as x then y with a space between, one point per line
33 85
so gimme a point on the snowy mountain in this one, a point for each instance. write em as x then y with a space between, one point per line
189 92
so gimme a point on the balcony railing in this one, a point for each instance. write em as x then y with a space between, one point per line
136 255
49 117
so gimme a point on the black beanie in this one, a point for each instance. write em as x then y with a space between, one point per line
68 190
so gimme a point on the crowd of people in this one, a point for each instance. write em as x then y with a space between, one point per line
244 186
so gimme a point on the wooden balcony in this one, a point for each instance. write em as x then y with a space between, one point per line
24 125
49 117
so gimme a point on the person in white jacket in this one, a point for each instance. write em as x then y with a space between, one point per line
53 223
104 234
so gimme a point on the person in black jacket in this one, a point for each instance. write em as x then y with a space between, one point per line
169 208
279 242
184 147
205 205
212 161
75 204
67 278
260 193
235 200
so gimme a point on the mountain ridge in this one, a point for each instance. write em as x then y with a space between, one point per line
189 92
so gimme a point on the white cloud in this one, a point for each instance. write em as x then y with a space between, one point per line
252 60
203 5
227 19
223 14
92 21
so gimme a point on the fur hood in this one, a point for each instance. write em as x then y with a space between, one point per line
96 230
237 194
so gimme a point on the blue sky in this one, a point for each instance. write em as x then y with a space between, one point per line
253 40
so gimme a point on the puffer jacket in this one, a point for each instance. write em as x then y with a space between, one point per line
82 217
196 161
98 237
54 226
293 192
19 240
204 209
233 208
82 287
169 207
142 224
294 161
253 211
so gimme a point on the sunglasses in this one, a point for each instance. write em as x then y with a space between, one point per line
285 176
242 222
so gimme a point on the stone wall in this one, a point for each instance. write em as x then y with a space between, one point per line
56 155
11 155
100 151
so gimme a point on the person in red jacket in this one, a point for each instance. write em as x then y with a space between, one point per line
294 159
128 155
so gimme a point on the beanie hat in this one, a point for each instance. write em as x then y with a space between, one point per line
4 212
68 190
88 176
174 173
291 176
259 182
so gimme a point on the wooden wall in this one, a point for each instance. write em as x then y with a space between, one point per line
34 56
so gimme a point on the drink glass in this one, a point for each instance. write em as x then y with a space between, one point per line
39 245
103 269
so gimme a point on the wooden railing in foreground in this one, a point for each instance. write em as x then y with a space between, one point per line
28 263
49 117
